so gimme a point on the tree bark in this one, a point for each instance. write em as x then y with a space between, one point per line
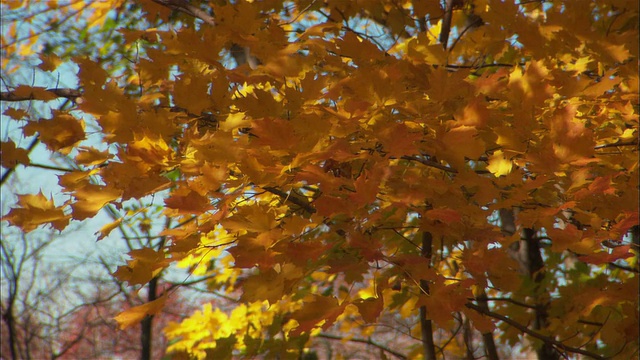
445 30
487 338
146 336
527 253
426 326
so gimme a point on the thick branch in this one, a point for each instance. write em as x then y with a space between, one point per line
71 94
487 337
292 199
633 142
184 7
446 23
426 327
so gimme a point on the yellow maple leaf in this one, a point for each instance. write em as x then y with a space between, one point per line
149 150
92 198
499 165
91 156
105 230
146 264
268 285
459 143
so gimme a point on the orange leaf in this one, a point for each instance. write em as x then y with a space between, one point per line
74 179
459 143
135 273
563 239
91 156
34 211
572 140
483 323
153 151
15 114
36 93
187 201
146 264
59 134
627 221
398 140
319 309
369 308
136 314
267 285
276 133
447 216
605 83
12 156
445 299
91 198
106 230
50 62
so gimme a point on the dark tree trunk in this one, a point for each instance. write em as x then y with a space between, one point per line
527 253
425 324
487 338
146 336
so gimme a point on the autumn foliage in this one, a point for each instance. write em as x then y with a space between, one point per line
469 169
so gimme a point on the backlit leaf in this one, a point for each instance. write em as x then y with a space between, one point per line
36 210
499 164
134 315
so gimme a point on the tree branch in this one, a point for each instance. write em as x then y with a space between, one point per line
364 341
446 23
426 327
292 199
633 142
184 7
431 163
71 94
526 330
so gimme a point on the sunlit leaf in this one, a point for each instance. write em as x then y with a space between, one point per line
36 210
134 315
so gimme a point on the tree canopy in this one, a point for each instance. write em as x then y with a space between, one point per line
462 172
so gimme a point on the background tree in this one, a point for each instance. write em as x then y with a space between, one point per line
469 167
